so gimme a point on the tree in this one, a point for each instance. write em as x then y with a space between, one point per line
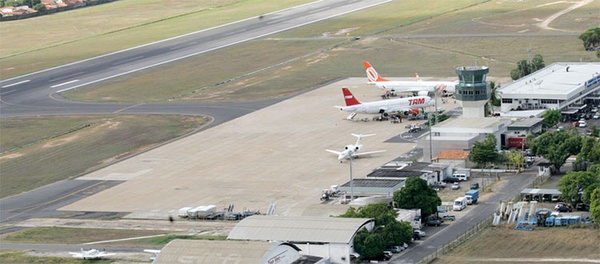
514 157
416 194
595 206
387 231
495 100
552 117
590 38
485 152
574 183
525 68
557 146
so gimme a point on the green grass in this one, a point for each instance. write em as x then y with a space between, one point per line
56 235
49 149
66 37
163 240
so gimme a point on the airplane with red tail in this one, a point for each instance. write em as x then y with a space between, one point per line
405 105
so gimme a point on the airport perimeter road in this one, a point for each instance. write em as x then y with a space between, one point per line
33 89
483 210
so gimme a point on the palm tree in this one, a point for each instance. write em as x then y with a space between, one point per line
495 99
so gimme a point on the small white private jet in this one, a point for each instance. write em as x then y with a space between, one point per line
91 254
351 150
419 86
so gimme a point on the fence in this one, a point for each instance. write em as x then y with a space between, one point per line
456 242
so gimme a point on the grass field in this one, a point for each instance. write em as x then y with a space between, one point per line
506 245
41 150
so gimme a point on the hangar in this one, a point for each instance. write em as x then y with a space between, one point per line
213 251
327 237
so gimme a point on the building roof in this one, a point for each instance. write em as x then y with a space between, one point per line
470 125
453 154
212 251
525 123
298 229
541 191
560 80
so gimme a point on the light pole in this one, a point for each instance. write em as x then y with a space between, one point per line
431 126
351 181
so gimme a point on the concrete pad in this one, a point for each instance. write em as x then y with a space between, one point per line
273 155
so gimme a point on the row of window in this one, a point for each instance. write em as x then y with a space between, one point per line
542 101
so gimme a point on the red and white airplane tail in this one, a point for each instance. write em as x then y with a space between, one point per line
349 97
372 75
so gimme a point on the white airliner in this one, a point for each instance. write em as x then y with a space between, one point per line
351 150
419 86
91 254
403 105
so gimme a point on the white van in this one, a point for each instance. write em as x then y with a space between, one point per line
459 204
462 175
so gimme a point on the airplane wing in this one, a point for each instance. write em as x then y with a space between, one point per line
104 254
367 153
333 151
76 254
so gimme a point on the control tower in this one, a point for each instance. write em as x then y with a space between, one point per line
472 91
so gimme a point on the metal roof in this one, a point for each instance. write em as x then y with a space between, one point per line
559 80
212 251
541 191
298 229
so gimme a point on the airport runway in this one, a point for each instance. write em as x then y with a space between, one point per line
33 94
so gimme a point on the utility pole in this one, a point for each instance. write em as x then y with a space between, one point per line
351 180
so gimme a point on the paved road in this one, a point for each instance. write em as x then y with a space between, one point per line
480 212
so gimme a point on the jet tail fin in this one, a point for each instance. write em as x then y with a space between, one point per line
372 75
349 97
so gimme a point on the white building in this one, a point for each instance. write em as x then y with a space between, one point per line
559 85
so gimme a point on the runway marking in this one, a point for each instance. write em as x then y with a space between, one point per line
65 83
122 239
17 83
126 108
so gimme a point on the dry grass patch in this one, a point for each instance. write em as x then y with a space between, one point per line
42 150
506 243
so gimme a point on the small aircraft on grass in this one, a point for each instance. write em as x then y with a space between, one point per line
91 254
351 151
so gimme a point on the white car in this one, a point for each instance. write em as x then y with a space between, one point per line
596 116
582 123
455 186
421 233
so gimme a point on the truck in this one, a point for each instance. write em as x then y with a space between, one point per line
472 196
183 212
459 204
201 212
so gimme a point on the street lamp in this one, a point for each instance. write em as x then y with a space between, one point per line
351 181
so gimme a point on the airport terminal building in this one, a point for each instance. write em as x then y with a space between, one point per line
570 86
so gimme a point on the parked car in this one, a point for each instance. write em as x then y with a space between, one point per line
421 233
582 207
455 186
449 217
474 186
451 180
396 249
596 116
433 222
564 209
560 204
582 123
416 236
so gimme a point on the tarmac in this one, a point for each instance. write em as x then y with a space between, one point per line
275 155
